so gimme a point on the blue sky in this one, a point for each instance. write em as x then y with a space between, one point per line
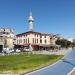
52 16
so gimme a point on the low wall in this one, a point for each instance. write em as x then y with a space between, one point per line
55 52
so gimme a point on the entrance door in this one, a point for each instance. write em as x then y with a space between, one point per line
1 48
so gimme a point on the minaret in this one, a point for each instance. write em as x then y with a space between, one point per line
30 20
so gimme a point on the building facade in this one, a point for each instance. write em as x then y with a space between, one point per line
7 38
35 38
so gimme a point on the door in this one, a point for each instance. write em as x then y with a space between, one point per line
1 48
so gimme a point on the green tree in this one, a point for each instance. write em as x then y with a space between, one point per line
63 42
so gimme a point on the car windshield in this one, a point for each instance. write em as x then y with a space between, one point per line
26 47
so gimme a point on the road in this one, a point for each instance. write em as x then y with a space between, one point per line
62 67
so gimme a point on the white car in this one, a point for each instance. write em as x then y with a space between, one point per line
26 49
17 50
7 50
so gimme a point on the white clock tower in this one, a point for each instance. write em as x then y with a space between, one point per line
30 20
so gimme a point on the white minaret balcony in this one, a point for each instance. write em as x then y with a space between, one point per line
30 19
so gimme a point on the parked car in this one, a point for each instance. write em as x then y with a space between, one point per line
8 50
26 49
17 50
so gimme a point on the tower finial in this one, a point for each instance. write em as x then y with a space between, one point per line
30 13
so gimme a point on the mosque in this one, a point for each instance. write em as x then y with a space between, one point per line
37 40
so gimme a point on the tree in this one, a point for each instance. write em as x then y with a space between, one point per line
63 42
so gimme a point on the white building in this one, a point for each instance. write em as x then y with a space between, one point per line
6 38
31 37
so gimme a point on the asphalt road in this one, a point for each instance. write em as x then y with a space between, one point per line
62 67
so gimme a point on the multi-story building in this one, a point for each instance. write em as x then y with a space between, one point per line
35 38
6 38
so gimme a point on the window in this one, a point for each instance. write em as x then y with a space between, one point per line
45 41
21 40
33 40
45 36
17 41
37 40
40 41
40 36
28 40
35 35
51 38
24 40
26 35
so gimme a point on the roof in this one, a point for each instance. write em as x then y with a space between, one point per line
40 33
